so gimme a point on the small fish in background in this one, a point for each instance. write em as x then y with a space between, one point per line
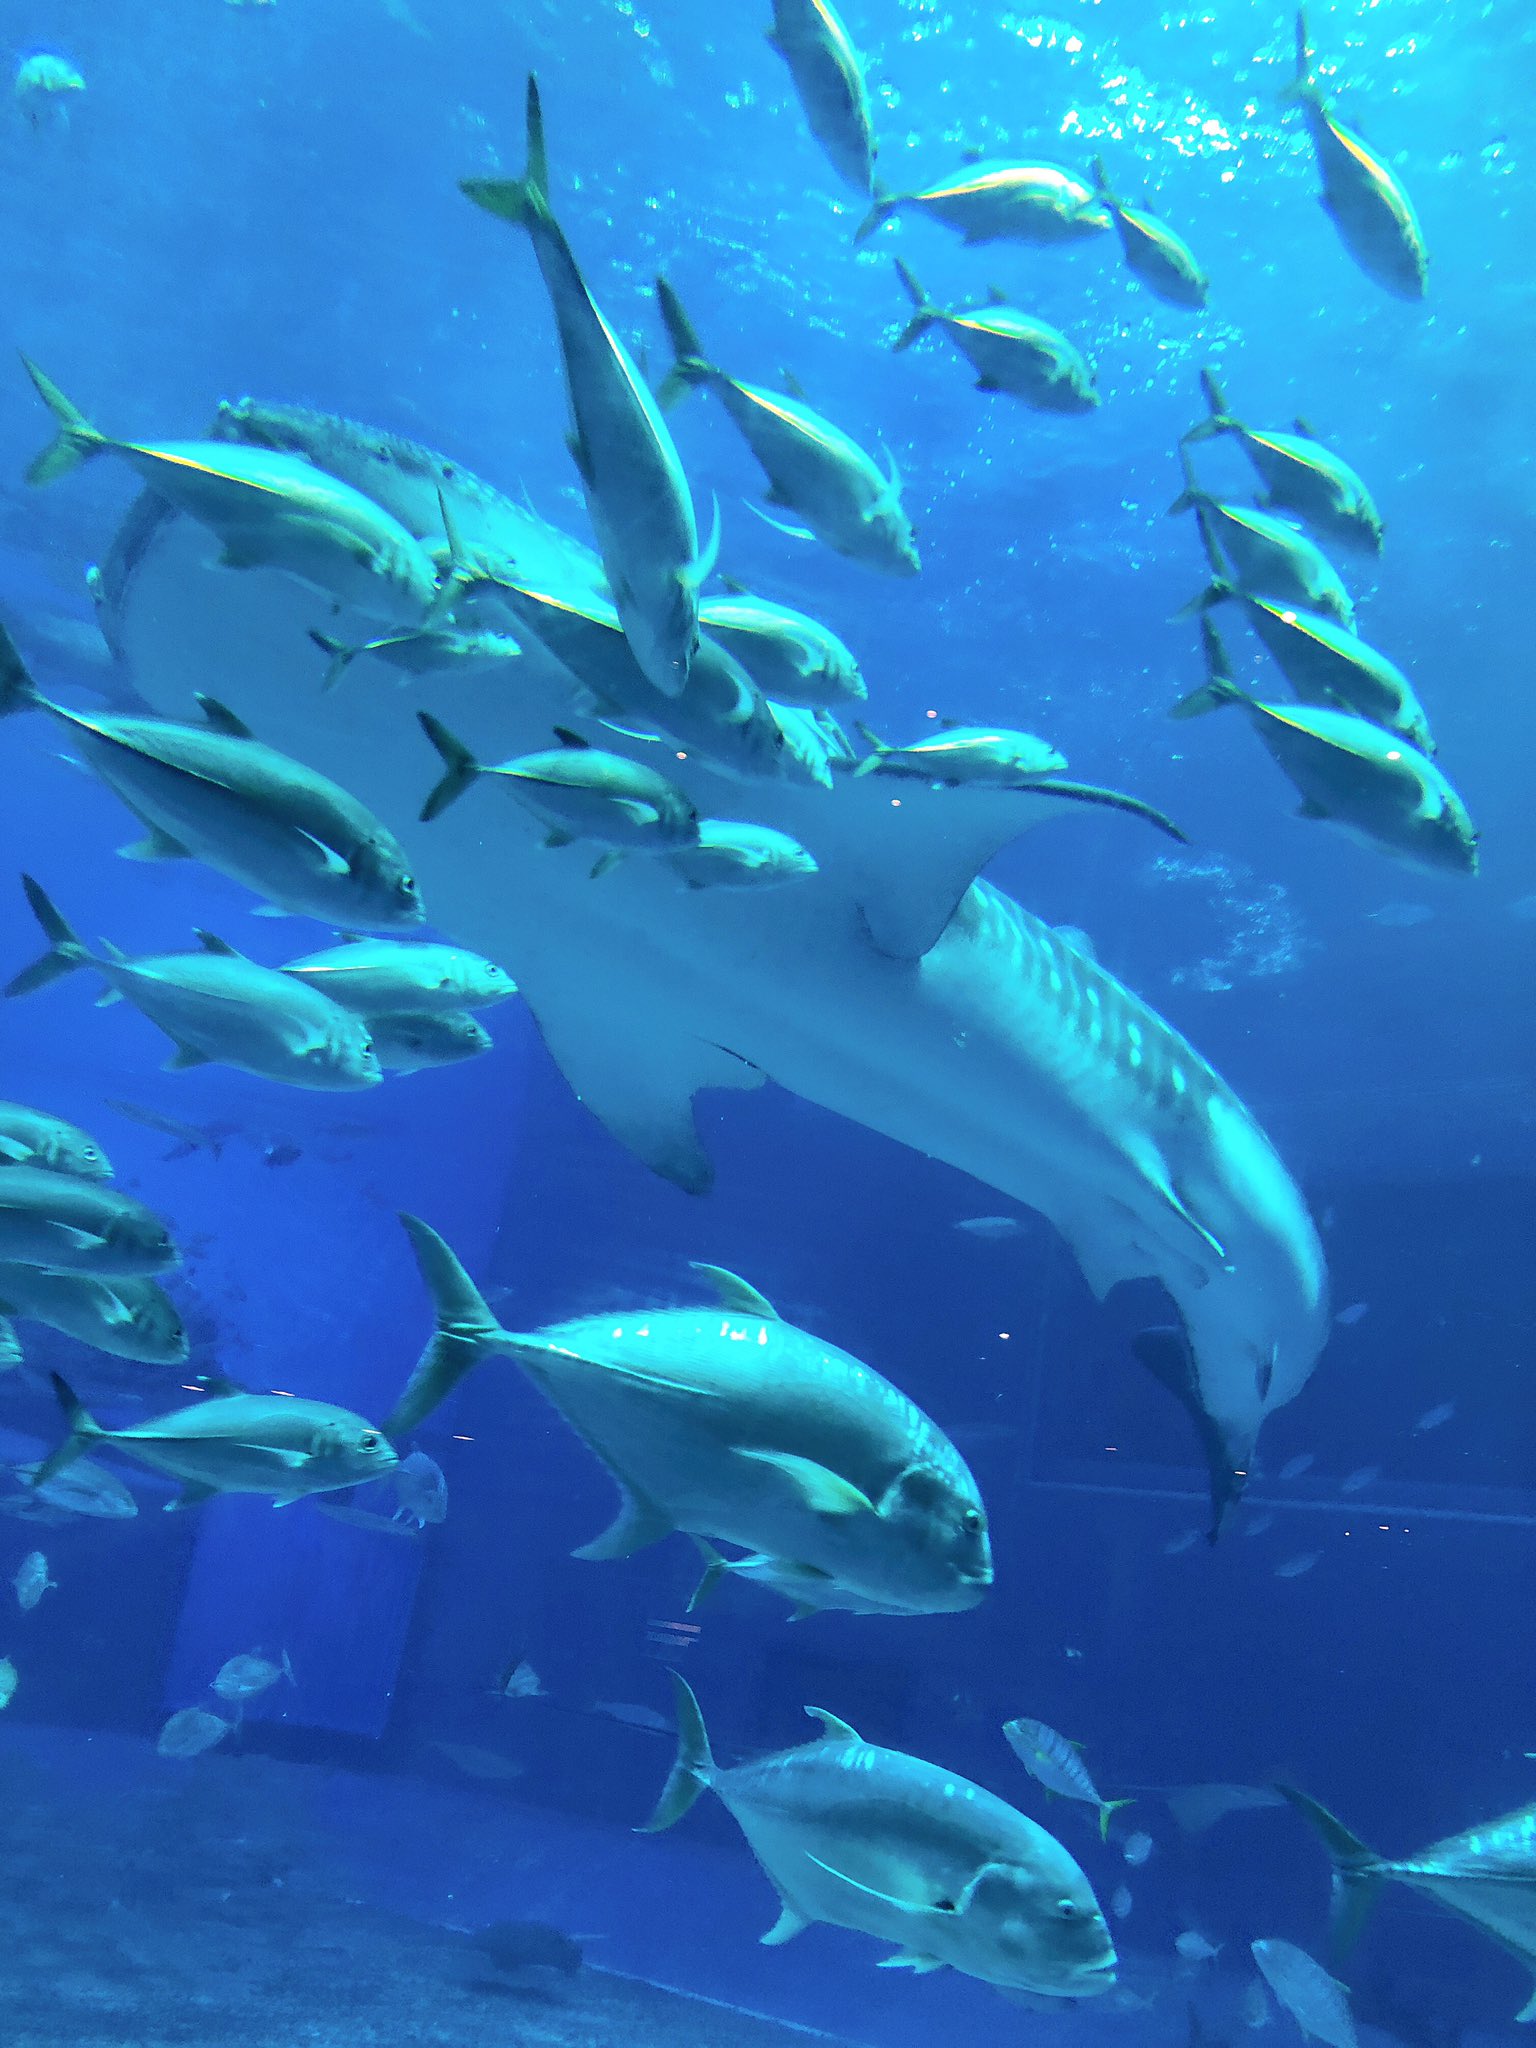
31 1137
83 1488
281 1152
1186 1539
488 1765
1258 2010
1400 917
1434 1418
515 1945
990 1228
422 1490
185 1138
1194 1948
1316 2001
1259 1524
1294 1467
1198 1807
31 1581
1355 1313
191 1731
519 1682
1055 1763
1137 1848
8 1681
1121 1902
1294 1567
634 1716
43 83
244 1677
1358 1480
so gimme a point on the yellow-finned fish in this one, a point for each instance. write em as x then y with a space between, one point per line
997 201
1361 195
1164 261
31 1137
829 80
1304 479
1009 350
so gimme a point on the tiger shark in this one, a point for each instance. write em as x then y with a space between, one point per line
893 986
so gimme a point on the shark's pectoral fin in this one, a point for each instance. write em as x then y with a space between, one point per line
638 1074
1167 1356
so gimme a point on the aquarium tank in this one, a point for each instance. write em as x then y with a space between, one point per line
767 1119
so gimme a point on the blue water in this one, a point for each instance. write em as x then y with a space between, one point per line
262 199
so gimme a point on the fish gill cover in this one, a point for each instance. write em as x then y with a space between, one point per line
598 785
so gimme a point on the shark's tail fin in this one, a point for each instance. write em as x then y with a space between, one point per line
84 1431
76 441
885 204
466 1332
65 952
459 767
925 312
690 366
694 1768
1218 687
1357 1870
18 692
1219 420
524 200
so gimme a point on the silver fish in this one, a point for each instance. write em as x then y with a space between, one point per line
52 1219
814 469
892 1846
31 1137
406 1042
1000 200
1316 2001
1057 1764
1009 350
372 975
809 1590
1305 480
421 1490
637 496
1269 557
31 1581
1163 260
214 793
792 658
217 1006
247 1676
84 1489
191 1731
125 1315
728 855
829 82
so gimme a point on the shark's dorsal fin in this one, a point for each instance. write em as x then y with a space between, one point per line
736 1293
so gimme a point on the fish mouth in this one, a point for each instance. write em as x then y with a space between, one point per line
1098 1976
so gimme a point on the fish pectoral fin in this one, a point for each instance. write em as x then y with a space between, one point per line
155 845
789 1923
637 812
910 1959
819 1489
869 1891
334 863
186 1056
734 1292
13 1150
81 1240
1527 2011
638 1524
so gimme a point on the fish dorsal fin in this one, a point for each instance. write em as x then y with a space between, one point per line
1304 428
734 586
734 1292
793 387
219 718
638 1083
833 1727
570 739
973 154
212 943
996 296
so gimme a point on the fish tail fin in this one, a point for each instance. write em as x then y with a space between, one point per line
715 1569
1357 1870
84 1431
18 692
287 1668
1218 687
459 765
76 441
924 314
1107 1807
694 1768
690 365
465 1334
1220 421
1301 86
524 201
65 951
1103 192
878 749
885 204
341 658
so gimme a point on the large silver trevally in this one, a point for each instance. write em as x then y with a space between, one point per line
829 81
125 1315
276 1444
893 1846
810 1591
1269 557
79 1226
31 1137
268 509
1164 261
378 975
214 793
423 652
218 1006
1486 1874
1362 196
891 987
732 1424
792 658
637 495
1304 479
407 1042
1325 663
1350 772
814 469
1000 200
731 855
1009 350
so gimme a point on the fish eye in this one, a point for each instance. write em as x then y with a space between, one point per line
407 885
1067 1908
974 1521
369 1440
